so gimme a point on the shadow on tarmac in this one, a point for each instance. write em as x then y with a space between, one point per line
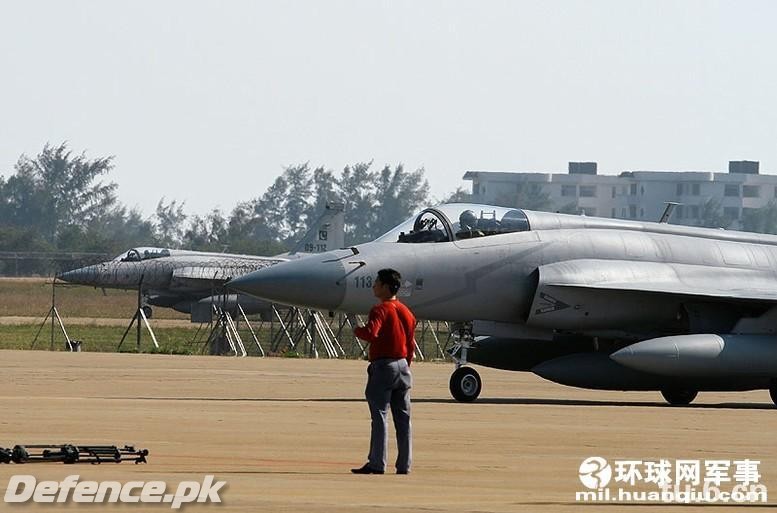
481 401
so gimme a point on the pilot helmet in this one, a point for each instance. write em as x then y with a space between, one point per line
468 219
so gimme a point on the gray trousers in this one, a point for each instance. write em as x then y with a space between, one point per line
388 384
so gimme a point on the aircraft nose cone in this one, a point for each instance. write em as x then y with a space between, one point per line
311 282
81 276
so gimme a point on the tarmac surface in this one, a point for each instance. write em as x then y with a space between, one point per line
284 433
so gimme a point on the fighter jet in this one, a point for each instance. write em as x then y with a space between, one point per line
582 301
191 281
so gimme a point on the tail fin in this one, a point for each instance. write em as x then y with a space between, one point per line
326 234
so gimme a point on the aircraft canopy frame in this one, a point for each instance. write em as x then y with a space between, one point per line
457 221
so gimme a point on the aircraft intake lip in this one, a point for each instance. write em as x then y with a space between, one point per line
308 282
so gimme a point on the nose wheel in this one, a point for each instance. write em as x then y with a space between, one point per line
465 384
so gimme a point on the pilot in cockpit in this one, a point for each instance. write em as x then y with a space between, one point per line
468 226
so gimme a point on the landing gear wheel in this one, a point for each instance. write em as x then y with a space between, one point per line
465 384
147 311
677 397
773 392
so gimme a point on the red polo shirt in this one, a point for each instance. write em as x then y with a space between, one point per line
390 330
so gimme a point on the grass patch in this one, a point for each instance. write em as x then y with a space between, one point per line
32 297
98 338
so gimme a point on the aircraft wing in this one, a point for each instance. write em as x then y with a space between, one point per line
580 293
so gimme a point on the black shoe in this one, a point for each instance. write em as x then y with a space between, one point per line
366 469
403 471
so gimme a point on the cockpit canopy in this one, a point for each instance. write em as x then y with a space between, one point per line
140 254
457 221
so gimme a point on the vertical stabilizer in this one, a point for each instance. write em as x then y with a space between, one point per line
326 234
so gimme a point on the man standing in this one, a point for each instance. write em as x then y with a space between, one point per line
390 332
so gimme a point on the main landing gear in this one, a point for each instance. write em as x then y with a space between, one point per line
682 397
465 383
679 397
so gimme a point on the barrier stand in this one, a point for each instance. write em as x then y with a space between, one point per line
140 316
53 314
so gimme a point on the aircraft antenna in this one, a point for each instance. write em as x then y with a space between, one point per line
670 205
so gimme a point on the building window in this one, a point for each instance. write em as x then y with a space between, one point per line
680 211
642 190
731 212
633 210
588 211
623 212
569 190
613 210
731 190
641 213
613 195
588 191
633 189
750 191
680 189
693 211
695 189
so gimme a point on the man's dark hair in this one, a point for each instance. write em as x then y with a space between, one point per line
391 278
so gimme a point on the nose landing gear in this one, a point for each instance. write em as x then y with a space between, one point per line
465 383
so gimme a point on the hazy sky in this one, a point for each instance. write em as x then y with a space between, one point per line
207 101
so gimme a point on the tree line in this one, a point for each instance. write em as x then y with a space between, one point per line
63 201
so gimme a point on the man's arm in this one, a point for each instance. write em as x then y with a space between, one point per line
411 344
369 332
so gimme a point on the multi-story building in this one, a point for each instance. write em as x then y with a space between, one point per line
635 194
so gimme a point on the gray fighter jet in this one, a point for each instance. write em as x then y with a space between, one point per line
588 302
191 281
